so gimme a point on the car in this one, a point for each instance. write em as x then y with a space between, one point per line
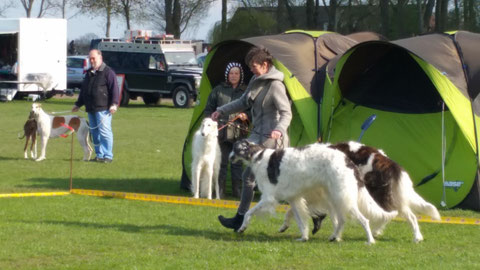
77 66
154 69
201 58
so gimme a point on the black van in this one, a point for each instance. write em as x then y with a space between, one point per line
154 69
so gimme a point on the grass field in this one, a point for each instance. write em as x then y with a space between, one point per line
83 232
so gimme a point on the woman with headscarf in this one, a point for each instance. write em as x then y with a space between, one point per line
224 93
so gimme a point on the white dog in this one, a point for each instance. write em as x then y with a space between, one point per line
388 183
50 126
291 173
206 160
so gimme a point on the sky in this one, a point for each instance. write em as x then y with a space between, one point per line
80 25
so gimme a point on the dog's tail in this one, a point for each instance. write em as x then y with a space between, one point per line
371 210
415 201
18 135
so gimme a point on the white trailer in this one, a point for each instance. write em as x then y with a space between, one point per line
33 54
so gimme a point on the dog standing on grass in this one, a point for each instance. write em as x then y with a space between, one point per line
289 174
30 133
206 158
50 126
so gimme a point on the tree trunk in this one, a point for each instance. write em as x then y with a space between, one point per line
126 11
224 19
108 10
176 19
332 16
281 15
310 13
457 15
315 14
420 16
168 16
384 17
427 16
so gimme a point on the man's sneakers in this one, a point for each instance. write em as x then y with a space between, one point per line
97 159
101 160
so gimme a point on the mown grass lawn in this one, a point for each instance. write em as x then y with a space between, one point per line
83 232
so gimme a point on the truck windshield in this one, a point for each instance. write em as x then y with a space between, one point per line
181 59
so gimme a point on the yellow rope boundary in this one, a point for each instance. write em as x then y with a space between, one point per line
234 204
203 202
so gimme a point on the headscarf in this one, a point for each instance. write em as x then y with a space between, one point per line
229 67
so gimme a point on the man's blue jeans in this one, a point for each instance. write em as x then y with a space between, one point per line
101 129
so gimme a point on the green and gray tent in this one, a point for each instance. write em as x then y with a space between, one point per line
424 93
299 55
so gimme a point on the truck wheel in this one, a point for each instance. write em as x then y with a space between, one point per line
125 98
181 97
151 98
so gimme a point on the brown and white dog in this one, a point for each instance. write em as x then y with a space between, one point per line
30 133
387 182
50 126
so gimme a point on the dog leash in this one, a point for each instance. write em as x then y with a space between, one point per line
277 145
230 123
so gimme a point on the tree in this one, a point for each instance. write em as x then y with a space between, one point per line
6 5
43 8
132 10
109 8
82 44
175 16
224 17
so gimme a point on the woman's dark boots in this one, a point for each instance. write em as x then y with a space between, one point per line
232 223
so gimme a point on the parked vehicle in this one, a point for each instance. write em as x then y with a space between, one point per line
77 66
32 56
154 68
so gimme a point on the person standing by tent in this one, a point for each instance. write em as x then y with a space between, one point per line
231 89
267 99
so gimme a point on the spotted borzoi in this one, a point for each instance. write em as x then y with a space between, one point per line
288 174
206 158
50 126
30 134
388 183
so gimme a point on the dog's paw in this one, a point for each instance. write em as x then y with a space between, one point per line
241 229
334 238
301 239
283 228
370 242
39 159
418 239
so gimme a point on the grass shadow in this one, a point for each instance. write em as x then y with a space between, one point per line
160 186
169 229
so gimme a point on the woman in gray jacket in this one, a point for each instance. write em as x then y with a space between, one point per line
267 99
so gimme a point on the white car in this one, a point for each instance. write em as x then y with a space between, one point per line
77 66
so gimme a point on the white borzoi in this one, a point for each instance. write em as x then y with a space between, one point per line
206 158
288 174
388 183
50 126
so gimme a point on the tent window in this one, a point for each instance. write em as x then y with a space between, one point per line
390 80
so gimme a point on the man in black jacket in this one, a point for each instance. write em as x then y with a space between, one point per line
100 95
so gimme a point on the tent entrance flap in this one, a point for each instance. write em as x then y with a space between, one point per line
391 81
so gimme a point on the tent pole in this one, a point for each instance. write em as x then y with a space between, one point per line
465 74
443 202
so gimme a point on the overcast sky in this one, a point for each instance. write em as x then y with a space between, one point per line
81 25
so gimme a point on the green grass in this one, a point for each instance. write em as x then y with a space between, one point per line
83 232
